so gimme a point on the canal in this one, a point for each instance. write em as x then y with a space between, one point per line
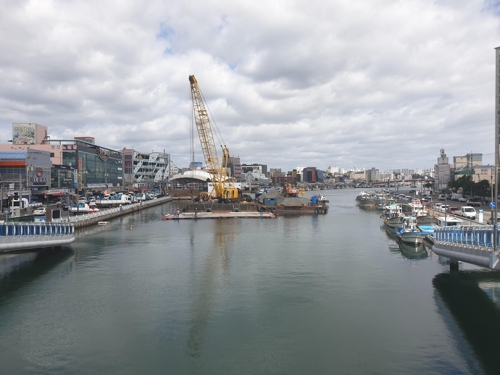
329 294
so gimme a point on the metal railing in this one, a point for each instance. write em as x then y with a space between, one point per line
9 230
470 236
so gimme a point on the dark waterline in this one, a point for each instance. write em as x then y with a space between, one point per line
323 294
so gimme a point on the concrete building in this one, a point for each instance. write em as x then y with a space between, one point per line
27 172
91 166
235 168
373 175
145 169
484 172
275 172
468 161
442 172
262 168
358 175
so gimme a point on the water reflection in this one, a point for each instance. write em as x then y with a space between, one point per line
214 270
410 252
470 299
17 270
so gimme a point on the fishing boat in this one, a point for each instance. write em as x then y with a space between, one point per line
409 233
393 216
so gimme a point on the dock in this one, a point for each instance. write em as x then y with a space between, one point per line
85 220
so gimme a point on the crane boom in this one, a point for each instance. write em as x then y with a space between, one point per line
204 128
217 171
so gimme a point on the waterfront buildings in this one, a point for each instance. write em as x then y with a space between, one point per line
60 166
142 169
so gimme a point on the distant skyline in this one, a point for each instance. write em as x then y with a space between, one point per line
383 84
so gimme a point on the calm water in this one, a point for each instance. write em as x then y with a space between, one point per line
305 295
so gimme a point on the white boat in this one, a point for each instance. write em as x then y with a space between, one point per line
80 208
449 221
115 201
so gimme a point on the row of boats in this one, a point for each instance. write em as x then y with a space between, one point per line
411 222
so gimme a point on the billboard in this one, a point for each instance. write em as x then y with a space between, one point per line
23 134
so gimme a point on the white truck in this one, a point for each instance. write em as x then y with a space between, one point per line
455 197
468 212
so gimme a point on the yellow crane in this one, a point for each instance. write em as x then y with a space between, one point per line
223 186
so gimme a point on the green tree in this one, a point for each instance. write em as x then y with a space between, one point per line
482 188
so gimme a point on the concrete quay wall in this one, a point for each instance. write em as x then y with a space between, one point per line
85 220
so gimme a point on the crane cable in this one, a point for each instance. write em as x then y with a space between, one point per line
218 134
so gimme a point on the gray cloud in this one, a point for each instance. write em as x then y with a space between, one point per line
384 84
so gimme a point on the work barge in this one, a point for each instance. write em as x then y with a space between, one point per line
268 206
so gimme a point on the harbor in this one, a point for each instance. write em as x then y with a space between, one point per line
307 293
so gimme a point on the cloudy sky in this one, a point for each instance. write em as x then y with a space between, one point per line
321 83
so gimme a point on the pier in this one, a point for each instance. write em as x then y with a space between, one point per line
84 220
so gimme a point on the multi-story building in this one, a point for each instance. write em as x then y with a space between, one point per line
373 175
145 169
262 168
468 161
275 172
442 172
309 174
235 168
25 171
484 172
96 167
77 164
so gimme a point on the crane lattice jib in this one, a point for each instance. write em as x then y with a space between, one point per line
204 129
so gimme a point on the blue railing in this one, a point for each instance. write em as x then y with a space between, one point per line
467 236
35 229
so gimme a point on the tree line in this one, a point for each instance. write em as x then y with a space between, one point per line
469 187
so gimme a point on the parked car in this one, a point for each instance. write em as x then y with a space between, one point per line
473 202
437 206
40 211
444 208
468 212
490 221
64 206
453 210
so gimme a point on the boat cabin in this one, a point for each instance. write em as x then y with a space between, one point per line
449 221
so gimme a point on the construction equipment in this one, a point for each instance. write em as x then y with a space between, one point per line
289 190
223 186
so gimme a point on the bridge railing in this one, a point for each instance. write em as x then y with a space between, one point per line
473 236
35 229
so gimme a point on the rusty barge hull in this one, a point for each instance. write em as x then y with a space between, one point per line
294 210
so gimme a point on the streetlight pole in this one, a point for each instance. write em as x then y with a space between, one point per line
497 145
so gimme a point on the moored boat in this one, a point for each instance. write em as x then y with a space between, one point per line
409 233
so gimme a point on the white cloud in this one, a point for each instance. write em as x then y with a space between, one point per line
381 84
